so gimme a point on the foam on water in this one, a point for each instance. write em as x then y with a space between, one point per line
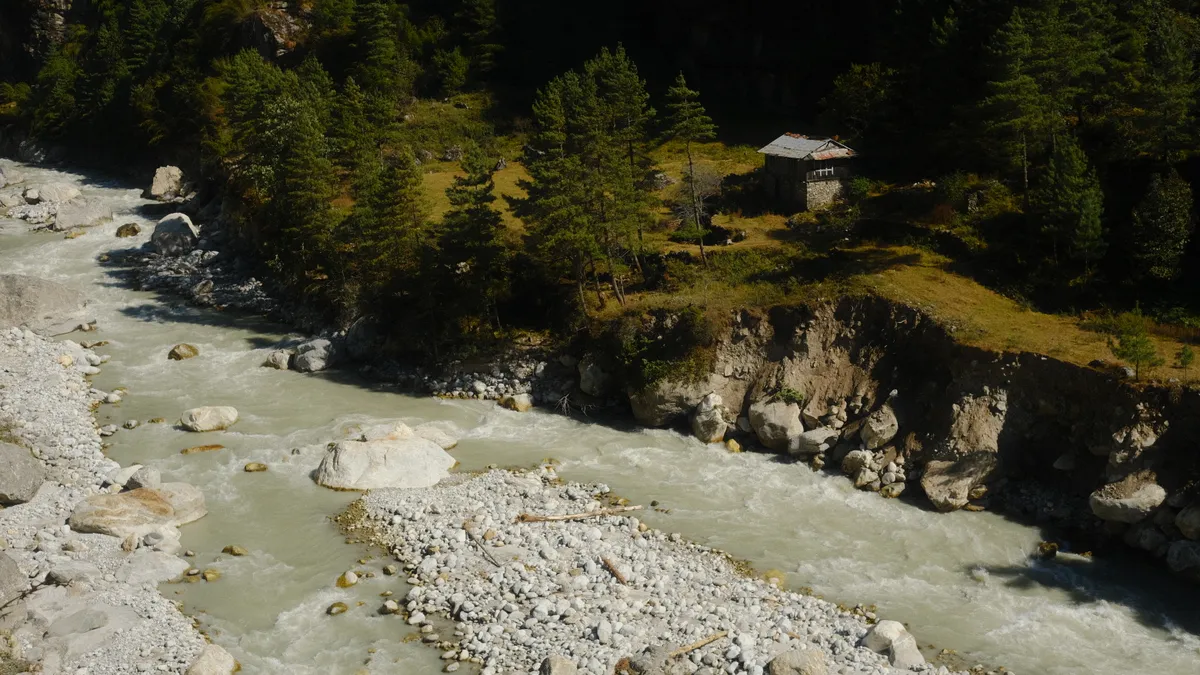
960 580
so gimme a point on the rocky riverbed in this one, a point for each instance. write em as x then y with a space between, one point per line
74 598
534 571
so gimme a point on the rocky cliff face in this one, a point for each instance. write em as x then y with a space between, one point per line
885 395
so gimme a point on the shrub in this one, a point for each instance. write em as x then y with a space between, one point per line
788 395
1132 344
952 189
858 189
1185 356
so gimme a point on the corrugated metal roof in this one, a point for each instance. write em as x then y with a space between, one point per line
795 146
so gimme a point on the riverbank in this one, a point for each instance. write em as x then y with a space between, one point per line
71 601
859 385
531 568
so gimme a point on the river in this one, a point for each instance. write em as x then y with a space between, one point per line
961 581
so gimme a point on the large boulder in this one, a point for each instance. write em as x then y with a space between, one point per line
21 475
1127 501
812 442
855 461
370 465
557 665
1188 521
54 193
517 402
214 660
138 512
1183 557
166 185
948 483
891 638
175 235
182 352
593 379
209 418
879 428
13 581
42 306
798 662
776 423
278 359
978 422
435 435
708 419
667 402
313 356
71 216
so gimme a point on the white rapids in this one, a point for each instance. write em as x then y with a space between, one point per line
962 581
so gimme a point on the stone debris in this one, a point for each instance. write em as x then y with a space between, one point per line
89 601
537 587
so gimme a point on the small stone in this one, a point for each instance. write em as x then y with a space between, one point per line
347 579
337 608
390 570
235 550
210 574
254 467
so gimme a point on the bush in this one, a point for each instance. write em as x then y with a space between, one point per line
1132 342
952 189
788 395
858 189
1185 356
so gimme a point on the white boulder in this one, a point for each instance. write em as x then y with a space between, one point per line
708 419
776 423
879 428
214 660
313 356
1127 501
209 418
175 235
891 638
370 465
44 307
812 442
167 183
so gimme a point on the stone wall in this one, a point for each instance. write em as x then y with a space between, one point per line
820 195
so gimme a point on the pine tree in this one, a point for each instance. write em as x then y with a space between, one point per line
1068 204
625 114
383 67
688 122
391 220
481 29
1016 109
474 239
1162 226
557 201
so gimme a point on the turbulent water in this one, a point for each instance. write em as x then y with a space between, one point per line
961 581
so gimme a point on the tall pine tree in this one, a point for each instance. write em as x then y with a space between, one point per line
1162 226
688 122
1068 205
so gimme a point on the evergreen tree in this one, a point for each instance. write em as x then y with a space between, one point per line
688 122
1016 110
557 201
1162 226
474 240
1068 204
391 221
481 29
451 67
383 66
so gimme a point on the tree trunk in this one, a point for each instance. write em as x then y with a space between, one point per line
695 203
579 282
1025 164
596 281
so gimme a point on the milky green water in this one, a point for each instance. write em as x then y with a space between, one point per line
961 580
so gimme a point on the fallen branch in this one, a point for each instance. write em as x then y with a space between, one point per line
483 549
532 518
608 564
697 645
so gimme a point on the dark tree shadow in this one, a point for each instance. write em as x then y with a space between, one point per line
1158 600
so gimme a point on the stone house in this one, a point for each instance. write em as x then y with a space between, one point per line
805 173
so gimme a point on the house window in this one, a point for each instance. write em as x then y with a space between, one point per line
822 169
